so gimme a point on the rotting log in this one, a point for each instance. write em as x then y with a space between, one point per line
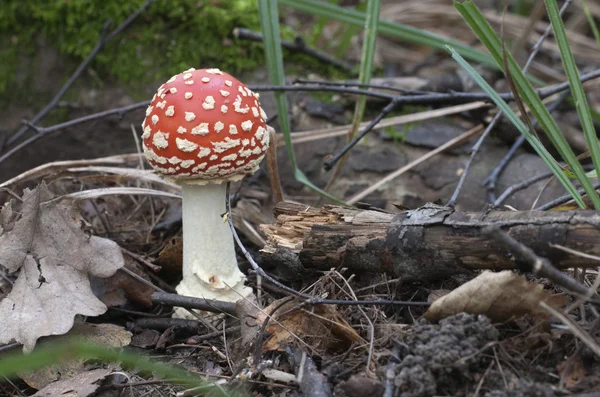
428 243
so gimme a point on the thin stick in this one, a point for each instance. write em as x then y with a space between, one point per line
537 265
209 305
490 181
102 40
562 199
390 177
297 45
273 168
574 328
474 151
154 287
249 257
497 118
428 99
142 260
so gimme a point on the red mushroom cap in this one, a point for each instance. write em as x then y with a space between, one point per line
205 126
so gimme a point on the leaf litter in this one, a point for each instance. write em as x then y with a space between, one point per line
55 256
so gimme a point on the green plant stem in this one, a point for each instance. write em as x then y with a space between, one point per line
490 40
388 28
269 23
581 103
531 138
364 77
49 354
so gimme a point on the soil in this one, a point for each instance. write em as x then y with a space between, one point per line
462 355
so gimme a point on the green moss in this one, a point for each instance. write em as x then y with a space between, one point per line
167 38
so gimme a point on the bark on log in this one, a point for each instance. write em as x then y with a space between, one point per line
428 243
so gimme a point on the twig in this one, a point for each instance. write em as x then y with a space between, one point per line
162 324
474 151
490 181
311 381
297 45
574 328
360 85
496 118
249 257
329 163
43 131
530 262
427 99
273 167
358 302
520 186
525 184
492 178
388 178
102 40
155 288
562 199
190 302
201 338
141 259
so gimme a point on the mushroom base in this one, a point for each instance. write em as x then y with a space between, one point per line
210 267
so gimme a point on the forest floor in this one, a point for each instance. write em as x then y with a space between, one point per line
358 325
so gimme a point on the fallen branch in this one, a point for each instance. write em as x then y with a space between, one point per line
428 243
298 45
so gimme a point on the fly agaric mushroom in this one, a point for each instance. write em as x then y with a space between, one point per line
203 129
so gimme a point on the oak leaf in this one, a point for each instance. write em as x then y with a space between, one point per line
500 296
55 257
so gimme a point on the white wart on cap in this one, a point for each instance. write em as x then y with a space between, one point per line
205 126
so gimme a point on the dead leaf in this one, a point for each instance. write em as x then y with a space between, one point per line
7 218
55 257
103 334
500 296
437 294
121 288
146 339
572 371
81 385
320 327
171 259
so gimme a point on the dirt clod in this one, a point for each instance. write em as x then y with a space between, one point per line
443 356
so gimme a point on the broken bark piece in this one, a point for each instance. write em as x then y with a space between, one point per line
427 243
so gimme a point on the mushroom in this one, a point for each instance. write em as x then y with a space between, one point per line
204 128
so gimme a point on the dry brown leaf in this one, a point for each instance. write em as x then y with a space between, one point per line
571 372
7 218
500 296
171 259
121 288
103 334
55 257
321 327
81 385
437 294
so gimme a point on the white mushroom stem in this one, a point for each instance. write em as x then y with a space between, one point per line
210 267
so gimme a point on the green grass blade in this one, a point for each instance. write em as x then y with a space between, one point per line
366 60
581 103
269 23
511 115
388 28
488 37
48 354
590 19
